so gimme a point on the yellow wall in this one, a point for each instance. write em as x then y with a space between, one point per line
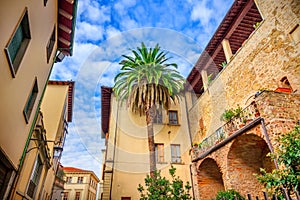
84 188
131 153
52 108
15 91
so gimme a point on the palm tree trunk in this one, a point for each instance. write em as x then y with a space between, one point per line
149 119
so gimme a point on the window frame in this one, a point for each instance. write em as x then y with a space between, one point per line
77 197
30 102
158 118
51 44
159 153
23 25
175 158
35 174
171 120
66 196
80 179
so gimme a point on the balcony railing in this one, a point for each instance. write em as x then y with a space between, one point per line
243 118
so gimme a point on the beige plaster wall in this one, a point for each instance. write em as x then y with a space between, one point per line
15 91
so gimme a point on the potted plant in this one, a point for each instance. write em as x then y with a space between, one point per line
223 64
228 115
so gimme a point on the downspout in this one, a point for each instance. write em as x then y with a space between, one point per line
20 166
191 140
114 153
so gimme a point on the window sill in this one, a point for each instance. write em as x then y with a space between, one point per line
173 124
177 163
162 163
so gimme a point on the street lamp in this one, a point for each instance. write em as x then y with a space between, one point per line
57 151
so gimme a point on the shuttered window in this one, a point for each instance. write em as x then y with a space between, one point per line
17 45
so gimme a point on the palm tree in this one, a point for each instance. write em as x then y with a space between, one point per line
146 81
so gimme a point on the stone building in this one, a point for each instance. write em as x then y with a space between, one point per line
252 63
34 34
80 184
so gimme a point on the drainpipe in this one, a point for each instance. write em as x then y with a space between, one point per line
114 153
20 166
191 140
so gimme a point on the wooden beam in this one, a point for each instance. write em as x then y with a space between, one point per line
66 42
239 19
70 1
64 28
227 50
65 14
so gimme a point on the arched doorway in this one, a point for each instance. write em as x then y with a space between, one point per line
209 179
245 158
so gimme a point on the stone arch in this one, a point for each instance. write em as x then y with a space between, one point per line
246 156
210 179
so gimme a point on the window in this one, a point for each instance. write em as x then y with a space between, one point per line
80 180
69 179
125 198
7 175
17 45
173 117
35 177
77 196
158 116
159 153
295 34
50 44
30 101
45 2
66 195
175 153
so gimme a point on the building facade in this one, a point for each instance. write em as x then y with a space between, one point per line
253 60
80 184
33 34
126 160
46 144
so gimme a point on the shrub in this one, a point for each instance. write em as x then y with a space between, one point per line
229 195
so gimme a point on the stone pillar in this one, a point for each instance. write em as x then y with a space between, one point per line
204 79
227 50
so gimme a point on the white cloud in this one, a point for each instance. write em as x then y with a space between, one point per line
89 32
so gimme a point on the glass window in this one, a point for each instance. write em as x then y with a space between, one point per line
159 152
50 44
30 101
69 179
17 45
66 195
173 117
175 153
158 116
35 177
80 180
77 196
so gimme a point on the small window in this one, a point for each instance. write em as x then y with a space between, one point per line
159 153
80 180
66 196
30 101
77 196
35 177
69 179
50 44
45 2
158 116
173 117
175 153
17 45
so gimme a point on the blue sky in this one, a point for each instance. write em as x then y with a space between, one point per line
105 30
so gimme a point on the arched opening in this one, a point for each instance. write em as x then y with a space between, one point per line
245 158
209 179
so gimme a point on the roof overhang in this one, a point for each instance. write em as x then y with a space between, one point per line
105 109
236 26
67 10
71 90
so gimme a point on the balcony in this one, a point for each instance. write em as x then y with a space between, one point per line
239 122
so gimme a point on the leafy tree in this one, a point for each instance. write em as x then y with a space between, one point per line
229 195
160 188
288 158
146 81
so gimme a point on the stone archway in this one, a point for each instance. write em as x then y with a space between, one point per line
209 179
245 158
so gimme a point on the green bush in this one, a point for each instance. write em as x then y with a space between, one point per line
228 195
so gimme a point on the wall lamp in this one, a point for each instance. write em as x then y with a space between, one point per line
57 150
